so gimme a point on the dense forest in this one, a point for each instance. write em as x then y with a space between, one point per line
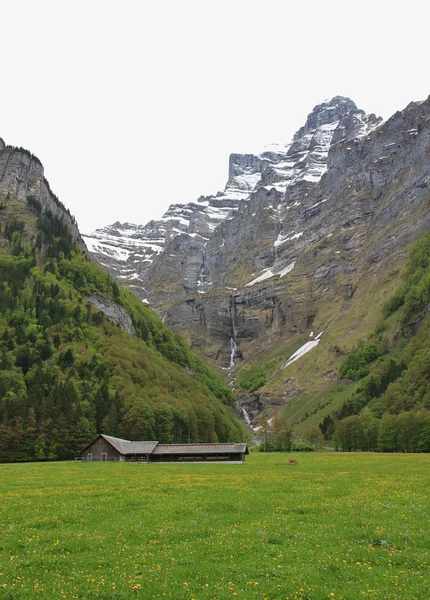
68 372
390 410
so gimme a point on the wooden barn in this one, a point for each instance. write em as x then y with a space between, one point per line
108 448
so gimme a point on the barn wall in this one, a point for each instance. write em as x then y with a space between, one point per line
100 446
202 457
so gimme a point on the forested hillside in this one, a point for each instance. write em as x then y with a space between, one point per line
390 409
68 371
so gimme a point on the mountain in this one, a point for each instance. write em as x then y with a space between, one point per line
128 251
297 254
78 354
388 408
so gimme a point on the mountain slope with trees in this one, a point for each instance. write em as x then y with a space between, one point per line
390 409
68 370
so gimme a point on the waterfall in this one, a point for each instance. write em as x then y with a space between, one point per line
233 344
280 231
246 417
201 287
233 347
202 283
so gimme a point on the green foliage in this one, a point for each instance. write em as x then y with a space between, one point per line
414 294
267 446
276 436
172 346
394 303
303 447
252 381
256 374
13 226
34 205
327 427
390 410
356 365
67 372
406 432
53 234
386 371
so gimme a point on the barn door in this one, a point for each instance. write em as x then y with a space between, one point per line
103 456
89 457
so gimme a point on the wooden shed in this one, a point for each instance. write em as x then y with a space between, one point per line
233 453
108 448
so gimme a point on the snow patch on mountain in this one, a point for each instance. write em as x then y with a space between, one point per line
303 350
268 273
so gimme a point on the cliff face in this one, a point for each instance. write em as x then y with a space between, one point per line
21 175
129 251
138 254
200 283
305 238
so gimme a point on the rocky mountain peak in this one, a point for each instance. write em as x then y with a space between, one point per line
329 111
2 144
187 239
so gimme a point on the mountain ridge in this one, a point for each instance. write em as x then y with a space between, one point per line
276 167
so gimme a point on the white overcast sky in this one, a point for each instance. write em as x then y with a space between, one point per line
133 105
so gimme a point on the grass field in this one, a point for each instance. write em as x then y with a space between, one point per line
334 526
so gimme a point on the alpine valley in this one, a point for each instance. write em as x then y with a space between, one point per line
304 284
290 269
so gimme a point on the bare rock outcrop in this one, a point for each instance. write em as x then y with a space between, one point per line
114 312
22 175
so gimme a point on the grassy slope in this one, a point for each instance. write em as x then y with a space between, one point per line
345 324
387 406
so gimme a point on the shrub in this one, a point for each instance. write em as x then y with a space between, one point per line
252 381
303 447
356 365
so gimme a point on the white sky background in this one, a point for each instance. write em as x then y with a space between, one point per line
133 105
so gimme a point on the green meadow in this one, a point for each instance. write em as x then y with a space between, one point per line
333 526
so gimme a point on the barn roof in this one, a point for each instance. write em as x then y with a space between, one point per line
200 448
127 447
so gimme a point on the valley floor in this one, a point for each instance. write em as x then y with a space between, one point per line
333 526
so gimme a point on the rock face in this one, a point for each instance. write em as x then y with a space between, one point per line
114 312
138 254
128 251
21 175
293 238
